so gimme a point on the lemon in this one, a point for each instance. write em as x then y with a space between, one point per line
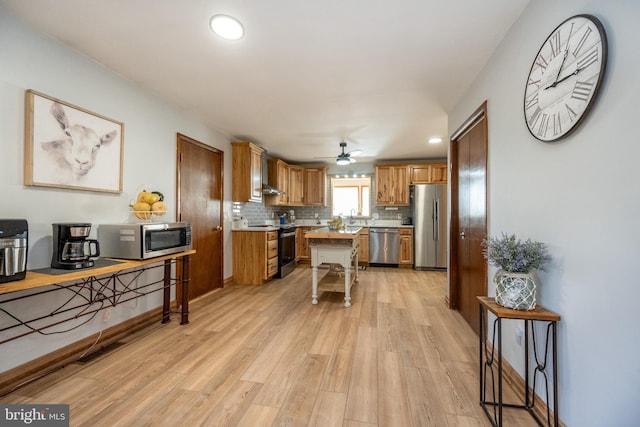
159 208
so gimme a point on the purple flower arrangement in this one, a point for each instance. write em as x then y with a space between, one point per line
515 256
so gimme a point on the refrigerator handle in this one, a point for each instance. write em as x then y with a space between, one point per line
435 220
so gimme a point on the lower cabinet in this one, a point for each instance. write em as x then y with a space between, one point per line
363 249
405 258
302 244
255 256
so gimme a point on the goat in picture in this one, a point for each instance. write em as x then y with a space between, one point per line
74 155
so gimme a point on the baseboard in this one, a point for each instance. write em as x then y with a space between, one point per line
23 374
516 382
228 281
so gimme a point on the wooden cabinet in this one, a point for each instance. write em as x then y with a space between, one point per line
315 186
278 175
255 256
428 173
392 185
304 186
246 172
302 244
363 249
405 258
296 185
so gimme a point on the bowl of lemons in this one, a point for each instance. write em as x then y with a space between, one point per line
148 204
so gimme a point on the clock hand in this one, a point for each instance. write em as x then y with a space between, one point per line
566 52
554 84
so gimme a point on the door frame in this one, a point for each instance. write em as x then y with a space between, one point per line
453 299
181 138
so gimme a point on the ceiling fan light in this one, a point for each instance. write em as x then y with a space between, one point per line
226 27
342 161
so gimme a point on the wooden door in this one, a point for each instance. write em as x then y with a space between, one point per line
468 268
200 204
384 187
400 185
296 185
315 186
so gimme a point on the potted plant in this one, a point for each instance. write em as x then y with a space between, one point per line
516 260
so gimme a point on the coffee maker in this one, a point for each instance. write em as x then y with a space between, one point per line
71 247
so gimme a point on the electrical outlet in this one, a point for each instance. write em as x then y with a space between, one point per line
519 335
106 315
399 216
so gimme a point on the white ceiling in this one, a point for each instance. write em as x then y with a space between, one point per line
380 74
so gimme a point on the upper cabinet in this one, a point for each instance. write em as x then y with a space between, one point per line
393 180
428 173
303 186
278 175
315 186
296 185
392 185
246 172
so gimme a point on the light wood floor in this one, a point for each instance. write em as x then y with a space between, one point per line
265 356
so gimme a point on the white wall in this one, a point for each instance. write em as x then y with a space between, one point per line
580 196
30 60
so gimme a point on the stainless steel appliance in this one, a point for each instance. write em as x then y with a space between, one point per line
430 226
286 249
143 241
71 247
14 243
384 246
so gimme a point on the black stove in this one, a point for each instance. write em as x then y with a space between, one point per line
286 249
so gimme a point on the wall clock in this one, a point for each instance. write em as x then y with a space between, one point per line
565 77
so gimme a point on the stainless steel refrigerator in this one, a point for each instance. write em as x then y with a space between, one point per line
430 226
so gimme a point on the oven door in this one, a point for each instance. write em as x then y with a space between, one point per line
287 247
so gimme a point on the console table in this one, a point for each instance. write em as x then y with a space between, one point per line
488 358
97 288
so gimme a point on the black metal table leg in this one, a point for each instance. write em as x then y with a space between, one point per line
166 292
184 318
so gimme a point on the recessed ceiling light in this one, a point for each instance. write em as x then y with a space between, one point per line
435 140
226 27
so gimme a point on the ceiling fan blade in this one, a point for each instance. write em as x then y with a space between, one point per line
355 152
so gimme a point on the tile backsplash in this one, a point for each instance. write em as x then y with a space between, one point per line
257 213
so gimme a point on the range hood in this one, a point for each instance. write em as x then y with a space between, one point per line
267 189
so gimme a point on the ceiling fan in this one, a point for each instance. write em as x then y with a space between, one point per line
346 158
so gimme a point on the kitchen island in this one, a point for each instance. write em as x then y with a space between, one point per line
336 248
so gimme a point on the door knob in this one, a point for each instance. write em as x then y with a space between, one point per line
217 228
462 234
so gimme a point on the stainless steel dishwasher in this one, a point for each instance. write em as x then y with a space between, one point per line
383 246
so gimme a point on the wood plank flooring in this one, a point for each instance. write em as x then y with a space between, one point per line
265 356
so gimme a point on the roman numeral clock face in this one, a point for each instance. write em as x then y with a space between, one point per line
565 77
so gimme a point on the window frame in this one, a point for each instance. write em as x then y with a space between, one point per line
352 184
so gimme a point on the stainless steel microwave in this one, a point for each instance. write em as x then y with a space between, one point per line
143 241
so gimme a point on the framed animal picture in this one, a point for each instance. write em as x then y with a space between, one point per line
69 147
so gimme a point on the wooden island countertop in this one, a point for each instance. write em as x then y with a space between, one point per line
325 233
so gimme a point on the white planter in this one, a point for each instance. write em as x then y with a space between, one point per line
515 290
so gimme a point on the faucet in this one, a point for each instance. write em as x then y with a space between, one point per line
351 220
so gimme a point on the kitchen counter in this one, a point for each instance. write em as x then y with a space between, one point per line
259 228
